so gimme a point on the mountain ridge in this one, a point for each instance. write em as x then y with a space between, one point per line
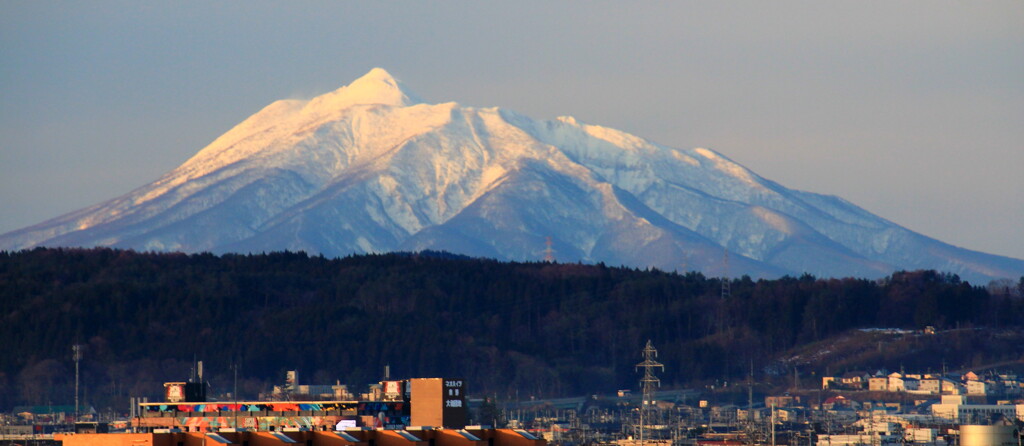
560 329
372 167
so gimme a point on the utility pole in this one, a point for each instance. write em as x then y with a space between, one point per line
726 295
726 285
234 393
648 381
78 357
750 394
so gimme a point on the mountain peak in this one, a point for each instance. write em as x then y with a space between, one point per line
362 169
376 74
375 87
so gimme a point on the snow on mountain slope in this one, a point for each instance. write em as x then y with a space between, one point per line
371 167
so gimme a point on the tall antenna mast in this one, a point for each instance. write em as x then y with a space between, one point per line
648 382
78 357
549 254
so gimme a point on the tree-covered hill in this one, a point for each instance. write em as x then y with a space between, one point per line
533 328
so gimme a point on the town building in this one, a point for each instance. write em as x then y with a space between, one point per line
438 402
878 383
930 385
975 387
412 412
424 436
848 380
956 409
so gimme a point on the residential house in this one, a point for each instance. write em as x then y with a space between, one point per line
955 408
896 382
827 381
1010 385
854 380
975 387
878 383
931 385
950 387
781 401
911 384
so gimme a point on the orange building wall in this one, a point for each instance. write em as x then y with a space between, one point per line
116 439
426 402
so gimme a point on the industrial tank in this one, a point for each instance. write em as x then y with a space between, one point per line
987 436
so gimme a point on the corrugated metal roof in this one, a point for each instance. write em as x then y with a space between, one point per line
283 437
218 438
465 434
347 437
406 435
525 434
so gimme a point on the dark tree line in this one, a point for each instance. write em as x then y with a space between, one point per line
528 328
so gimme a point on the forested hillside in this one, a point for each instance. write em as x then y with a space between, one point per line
533 328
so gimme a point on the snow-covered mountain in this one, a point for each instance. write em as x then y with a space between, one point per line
371 167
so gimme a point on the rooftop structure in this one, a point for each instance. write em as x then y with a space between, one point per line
412 412
423 436
437 402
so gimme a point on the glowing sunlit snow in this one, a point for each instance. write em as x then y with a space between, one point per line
372 167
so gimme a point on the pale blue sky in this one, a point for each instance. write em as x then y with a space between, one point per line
912 110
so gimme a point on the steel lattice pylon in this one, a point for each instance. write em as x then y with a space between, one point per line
648 382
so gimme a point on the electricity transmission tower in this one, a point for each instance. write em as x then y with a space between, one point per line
648 382
549 254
